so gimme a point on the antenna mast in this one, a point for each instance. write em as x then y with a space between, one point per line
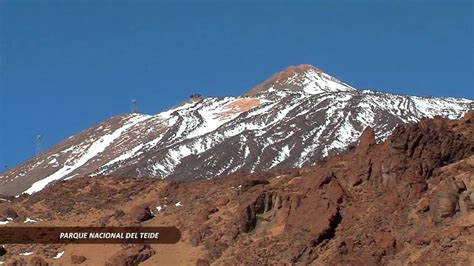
39 141
134 106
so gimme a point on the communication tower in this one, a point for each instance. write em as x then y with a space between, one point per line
134 106
39 142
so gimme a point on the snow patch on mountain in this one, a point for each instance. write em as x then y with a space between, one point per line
94 149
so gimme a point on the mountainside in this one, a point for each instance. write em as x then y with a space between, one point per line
292 119
406 201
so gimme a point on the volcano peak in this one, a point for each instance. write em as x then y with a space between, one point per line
305 77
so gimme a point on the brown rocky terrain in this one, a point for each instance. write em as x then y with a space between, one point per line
406 201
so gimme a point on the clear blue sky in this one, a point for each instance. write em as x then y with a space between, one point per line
66 65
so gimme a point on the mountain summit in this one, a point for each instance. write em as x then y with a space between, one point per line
307 78
291 120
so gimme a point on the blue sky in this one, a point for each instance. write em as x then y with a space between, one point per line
66 65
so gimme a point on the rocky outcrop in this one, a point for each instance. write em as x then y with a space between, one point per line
77 259
140 213
247 184
366 141
202 262
445 201
260 202
38 261
200 235
131 255
7 213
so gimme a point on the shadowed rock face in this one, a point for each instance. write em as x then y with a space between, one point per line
294 118
407 200
7 213
141 213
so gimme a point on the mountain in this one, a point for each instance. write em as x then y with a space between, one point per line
305 78
408 200
292 119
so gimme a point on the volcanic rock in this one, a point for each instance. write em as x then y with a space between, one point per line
202 262
258 203
385 240
38 261
200 235
141 213
445 201
7 212
247 184
78 259
366 140
131 255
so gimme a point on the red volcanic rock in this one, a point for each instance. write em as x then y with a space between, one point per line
38 261
118 214
222 201
385 240
200 235
78 259
366 140
444 202
131 255
7 212
141 213
322 212
249 209
247 184
215 248
203 214
202 262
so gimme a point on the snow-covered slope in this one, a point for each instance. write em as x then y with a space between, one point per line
292 119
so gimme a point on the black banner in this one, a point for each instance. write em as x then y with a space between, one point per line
89 235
